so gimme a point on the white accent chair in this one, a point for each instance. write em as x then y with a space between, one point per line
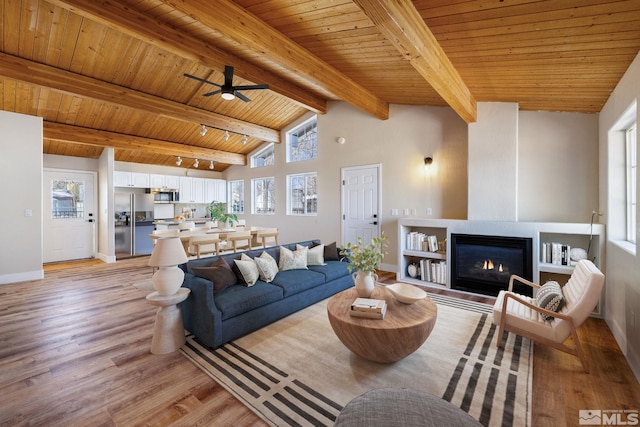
520 314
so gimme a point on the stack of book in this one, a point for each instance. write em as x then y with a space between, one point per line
417 241
556 253
367 307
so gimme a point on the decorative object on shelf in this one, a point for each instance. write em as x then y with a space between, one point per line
218 211
363 262
405 293
167 254
413 270
577 254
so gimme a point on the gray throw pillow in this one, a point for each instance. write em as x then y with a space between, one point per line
219 273
550 297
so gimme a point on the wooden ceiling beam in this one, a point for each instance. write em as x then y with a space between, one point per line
26 71
232 21
81 135
120 17
403 26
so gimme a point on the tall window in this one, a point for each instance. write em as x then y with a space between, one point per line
236 197
631 178
67 199
264 157
302 141
302 197
264 195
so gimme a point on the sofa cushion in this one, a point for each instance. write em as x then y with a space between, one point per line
238 299
267 267
331 270
315 255
293 260
331 252
549 297
248 270
219 273
296 281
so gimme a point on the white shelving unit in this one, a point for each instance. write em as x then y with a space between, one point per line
577 235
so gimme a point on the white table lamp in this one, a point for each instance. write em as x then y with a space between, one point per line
167 254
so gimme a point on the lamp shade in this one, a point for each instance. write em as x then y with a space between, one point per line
168 252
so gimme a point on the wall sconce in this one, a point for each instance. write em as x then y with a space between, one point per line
428 161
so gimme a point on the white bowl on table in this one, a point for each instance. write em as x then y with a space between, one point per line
406 293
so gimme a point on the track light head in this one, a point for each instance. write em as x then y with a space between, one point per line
179 161
196 164
245 138
226 135
211 165
203 131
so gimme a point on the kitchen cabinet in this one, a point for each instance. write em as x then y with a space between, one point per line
165 182
216 190
130 179
192 190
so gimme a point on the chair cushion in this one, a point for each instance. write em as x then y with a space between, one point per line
295 281
332 270
219 273
237 299
549 297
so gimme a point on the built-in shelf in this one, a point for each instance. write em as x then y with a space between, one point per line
589 237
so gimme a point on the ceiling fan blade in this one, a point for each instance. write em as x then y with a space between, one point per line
212 93
200 80
241 96
228 75
251 87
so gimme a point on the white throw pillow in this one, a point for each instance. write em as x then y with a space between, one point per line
267 267
315 255
293 260
249 269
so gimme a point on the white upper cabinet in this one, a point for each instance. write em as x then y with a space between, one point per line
216 190
130 179
202 190
166 182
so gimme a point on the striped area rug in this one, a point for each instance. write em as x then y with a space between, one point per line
296 372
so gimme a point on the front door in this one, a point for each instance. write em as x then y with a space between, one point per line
69 215
360 203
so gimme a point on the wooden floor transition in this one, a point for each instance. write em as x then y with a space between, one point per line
75 351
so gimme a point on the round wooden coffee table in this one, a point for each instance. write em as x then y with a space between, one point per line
403 330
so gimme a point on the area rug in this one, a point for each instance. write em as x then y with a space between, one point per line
295 372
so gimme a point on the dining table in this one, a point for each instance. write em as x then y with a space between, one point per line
223 234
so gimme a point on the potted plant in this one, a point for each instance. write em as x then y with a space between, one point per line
218 211
364 261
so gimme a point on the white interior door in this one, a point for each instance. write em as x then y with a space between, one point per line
360 203
69 218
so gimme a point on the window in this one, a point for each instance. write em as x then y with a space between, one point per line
236 197
631 164
67 199
302 195
302 142
264 157
264 195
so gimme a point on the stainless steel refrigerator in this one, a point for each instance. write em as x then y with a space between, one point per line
133 224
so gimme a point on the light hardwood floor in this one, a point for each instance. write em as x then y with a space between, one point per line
75 351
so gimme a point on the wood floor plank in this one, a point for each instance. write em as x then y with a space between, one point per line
75 350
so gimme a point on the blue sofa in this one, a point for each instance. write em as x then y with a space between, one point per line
236 310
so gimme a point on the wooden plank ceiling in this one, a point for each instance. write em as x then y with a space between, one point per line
110 73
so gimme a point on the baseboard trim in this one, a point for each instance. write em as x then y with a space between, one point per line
21 277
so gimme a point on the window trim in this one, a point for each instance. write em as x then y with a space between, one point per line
230 196
288 134
257 153
253 196
290 195
631 179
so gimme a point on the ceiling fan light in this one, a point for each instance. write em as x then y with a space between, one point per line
228 96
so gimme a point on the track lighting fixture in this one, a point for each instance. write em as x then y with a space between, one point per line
211 165
195 164
226 135
179 161
245 138
428 160
203 132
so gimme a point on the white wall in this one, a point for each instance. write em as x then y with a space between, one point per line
21 175
399 144
622 272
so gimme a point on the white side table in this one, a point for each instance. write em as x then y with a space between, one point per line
168 332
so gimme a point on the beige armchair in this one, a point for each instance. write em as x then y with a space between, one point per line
238 240
521 315
267 236
204 244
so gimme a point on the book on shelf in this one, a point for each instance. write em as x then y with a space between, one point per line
417 241
370 314
434 271
369 305
556 253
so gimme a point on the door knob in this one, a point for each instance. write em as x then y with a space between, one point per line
374 223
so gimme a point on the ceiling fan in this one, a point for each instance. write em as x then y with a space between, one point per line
228 90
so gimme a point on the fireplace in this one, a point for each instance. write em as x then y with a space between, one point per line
483 264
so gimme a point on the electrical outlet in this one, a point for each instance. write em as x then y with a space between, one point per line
429 211
414 212
394 212
405 211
